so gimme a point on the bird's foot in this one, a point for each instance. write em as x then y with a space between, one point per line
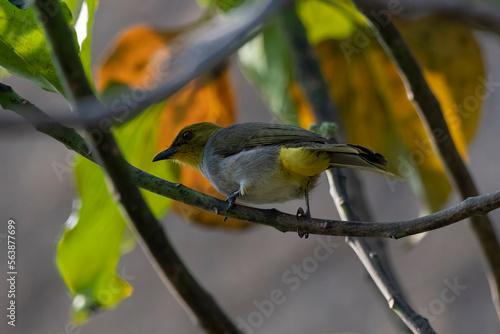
231 199
302 234
302 215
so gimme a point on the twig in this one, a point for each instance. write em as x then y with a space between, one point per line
317 91
429 110
483 15
152 235
479 205
382 278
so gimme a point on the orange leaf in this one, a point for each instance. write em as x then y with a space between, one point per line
134 58
302 106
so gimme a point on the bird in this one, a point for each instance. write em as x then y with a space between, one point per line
263 163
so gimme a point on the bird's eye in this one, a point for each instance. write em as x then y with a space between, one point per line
187 135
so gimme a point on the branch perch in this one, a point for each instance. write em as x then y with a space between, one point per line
429 110
152 236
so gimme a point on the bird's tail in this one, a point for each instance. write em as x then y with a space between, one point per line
357 157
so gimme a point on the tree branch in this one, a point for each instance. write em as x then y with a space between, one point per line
429 110
317 91
380 274
483 15
152 236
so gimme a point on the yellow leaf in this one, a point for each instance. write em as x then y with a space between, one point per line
377 113
455 56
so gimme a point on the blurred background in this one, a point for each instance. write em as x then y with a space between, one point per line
242 268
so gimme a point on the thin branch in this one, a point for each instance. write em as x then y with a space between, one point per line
478 205
429 110
383 278
317 91
152 236
483 15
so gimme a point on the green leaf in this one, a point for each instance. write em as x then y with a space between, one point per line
324 19
21 4
223 5
86 44
88 254
139 142
23 49
265 61
74 6
4 73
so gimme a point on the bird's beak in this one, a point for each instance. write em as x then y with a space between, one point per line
165 154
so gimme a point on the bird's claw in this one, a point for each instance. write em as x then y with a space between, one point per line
231 199
302 234
230 202
302 215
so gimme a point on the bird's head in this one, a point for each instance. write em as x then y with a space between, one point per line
188 145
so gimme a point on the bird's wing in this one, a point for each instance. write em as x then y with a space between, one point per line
239 137
365 153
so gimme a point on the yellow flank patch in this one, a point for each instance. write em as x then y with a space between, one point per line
304 162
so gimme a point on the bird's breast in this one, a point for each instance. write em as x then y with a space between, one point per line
258 174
